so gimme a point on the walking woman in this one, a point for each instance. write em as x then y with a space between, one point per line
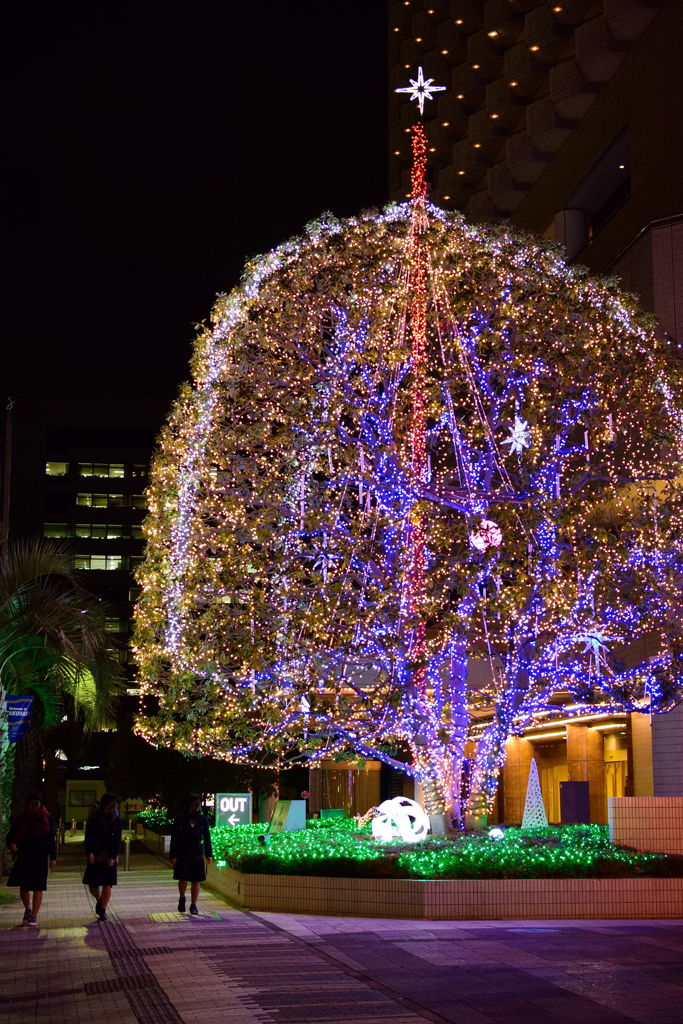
32 839
190 851
102 845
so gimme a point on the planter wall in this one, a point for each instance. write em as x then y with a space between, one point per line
647 822
154 841
487 900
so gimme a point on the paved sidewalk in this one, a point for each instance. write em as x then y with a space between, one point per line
150 965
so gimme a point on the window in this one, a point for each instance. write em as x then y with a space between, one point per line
136 560
100 500
138 501
82 797
112 625
101 469
56 530
56 468
101 531
119 655
138 471
136 532
100 562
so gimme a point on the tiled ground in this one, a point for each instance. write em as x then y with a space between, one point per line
150 965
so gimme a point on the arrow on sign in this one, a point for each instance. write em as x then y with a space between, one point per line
233 819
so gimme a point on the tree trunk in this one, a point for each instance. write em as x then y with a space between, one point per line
488 762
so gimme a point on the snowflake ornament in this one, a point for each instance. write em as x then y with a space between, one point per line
489 535
520 435
421 90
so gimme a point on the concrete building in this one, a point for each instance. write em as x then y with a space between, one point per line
77 472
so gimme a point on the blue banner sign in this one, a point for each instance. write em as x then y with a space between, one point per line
18 717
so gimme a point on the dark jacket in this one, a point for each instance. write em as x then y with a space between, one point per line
34 836
103 835
188 842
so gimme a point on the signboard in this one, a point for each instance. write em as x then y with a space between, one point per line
18 717
288 816
233 808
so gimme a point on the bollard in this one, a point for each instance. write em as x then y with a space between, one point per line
127 854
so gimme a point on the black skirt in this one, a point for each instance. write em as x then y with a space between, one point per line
190 869
29 872
98 874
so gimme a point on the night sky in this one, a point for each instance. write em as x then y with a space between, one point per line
152 149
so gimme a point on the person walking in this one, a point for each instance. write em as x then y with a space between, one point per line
102 845
190 851
32 839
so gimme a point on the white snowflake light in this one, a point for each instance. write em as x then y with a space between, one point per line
489 535
400 818
421 90
520 435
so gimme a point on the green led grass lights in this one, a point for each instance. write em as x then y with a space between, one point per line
338 848
155 820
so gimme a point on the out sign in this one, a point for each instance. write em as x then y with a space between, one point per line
233 808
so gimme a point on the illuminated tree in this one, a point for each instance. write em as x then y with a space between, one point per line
424 479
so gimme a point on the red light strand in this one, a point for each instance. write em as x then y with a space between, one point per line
419 466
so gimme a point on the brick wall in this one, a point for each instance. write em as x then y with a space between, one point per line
647 823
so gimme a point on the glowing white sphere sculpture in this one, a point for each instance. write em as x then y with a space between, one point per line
400 818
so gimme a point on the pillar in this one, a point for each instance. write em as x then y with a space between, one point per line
519 753
585 763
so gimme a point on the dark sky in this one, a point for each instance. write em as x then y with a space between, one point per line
151 149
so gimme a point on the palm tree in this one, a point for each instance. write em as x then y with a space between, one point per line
52 646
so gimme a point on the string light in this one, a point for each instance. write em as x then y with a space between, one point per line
580 851
356 412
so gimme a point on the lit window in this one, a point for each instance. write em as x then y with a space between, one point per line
99 562
55 530
101 531
138 501
138 470
116 625
136 532
114 469
100 500
56 468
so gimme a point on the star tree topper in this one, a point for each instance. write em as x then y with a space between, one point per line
420 90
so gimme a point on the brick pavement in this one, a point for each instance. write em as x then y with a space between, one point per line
150 965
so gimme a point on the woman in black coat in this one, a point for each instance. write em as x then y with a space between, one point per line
190 851
102 845
32 839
